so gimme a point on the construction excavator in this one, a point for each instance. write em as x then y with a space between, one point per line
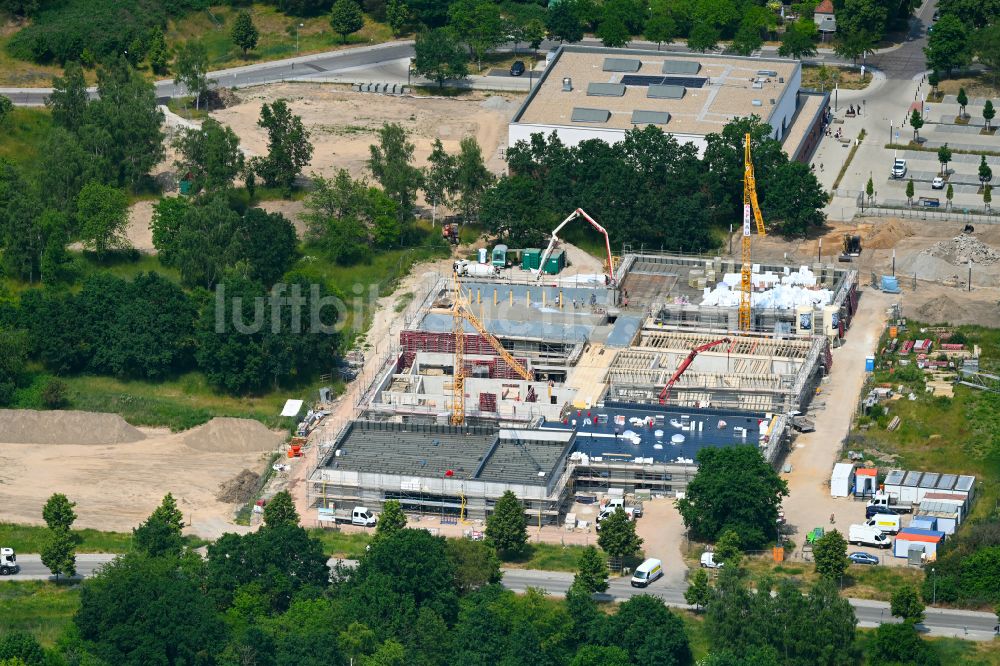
461 312
665 393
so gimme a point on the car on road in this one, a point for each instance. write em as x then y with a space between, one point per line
936 16
708 561
898 167
937 183
862 558
517 69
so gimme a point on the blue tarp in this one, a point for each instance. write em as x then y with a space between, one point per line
890 284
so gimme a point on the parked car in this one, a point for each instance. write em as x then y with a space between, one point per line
936 16
708 561
898 167
517 69
938 183
863 558
866 535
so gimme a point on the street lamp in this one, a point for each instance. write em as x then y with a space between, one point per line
934 586
301 25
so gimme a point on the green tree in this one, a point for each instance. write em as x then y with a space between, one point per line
68 99
346 18
987 196
934 79
397 16
747 39
660 27
909 191
735 488
288 146
160 534
651 634
618 538
6 108
703 37
795 198
439 177
19 648
900 644
613 32
191 70
533 32
916 122
985 172
102 212
863 16
244 33
698 592
59 552
562 23
392 518
263 247
592 571
55 394
962 100
139 610
870 190
798 41
507 526
948 47
471 178
439 56
853 45
210 154
989 113
949 194
280 510
475 564
13 361
158 54
729 549
830 553
905 604
391 163
944 156
600 655
58 512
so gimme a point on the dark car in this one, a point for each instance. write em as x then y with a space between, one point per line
936 16
862 558
884 510
517 69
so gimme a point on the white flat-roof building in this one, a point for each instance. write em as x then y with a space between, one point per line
600 93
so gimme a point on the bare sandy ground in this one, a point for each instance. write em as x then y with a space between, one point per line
344 124
117 484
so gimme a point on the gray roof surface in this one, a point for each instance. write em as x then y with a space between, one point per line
624 329
662 91
681 67
650 117
442 323
622 65
605 90
581 115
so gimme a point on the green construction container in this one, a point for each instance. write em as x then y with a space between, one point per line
555 263
530 258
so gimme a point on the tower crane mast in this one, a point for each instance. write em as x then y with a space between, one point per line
750 206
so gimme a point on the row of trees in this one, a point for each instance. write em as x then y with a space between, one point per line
650 188
966 30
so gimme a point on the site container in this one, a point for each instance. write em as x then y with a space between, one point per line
530 258
555 263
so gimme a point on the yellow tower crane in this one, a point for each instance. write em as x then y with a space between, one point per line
461 312
749 204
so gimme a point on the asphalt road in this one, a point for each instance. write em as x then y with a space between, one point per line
938 621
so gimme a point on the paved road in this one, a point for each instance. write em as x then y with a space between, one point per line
907 60
940 622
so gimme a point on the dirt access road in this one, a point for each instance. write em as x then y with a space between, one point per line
813 454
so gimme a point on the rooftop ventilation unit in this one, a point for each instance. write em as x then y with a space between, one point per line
605 90
567 84
590 115
622 65
640 117
757 102
766 72
665 92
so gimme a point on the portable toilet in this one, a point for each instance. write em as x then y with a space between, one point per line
842 480
530 258
865 481
481 255
869 364
555 263
500 256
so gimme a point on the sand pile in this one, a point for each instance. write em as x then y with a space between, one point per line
27 426
960 250
229 435
239 489
886 235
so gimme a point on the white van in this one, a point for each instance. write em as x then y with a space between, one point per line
647 572
885 523
865 535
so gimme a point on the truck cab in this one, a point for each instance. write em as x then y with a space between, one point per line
883 500
8 562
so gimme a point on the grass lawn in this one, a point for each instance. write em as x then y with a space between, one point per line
20 74
30 538
277 35
846 78
344 545
694 627
23 134
981 85
40 608
862 582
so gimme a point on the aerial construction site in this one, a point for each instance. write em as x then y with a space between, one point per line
519 373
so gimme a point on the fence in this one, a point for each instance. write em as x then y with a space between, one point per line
971 215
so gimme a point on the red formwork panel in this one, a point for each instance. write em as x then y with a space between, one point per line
488 402
444 343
